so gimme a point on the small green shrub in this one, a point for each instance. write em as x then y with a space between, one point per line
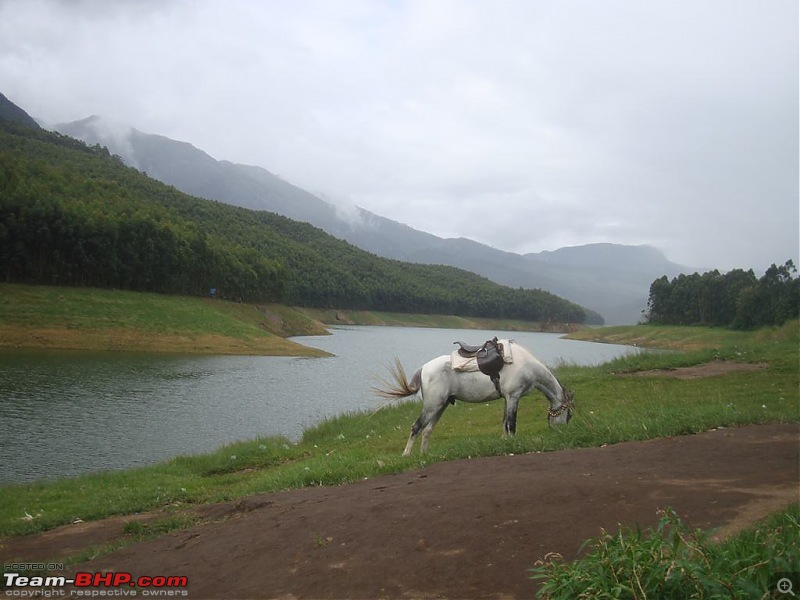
675 562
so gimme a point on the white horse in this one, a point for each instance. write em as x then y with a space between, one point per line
440 384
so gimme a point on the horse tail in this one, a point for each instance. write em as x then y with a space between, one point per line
401 387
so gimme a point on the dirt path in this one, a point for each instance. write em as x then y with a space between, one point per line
462 529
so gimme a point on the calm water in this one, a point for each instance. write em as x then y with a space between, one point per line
64 414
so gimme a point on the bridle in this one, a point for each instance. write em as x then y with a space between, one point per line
566 405
552 414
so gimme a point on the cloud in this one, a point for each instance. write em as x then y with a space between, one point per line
669 123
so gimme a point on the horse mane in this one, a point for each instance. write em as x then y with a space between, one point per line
400 387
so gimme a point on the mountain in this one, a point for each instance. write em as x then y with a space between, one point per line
194 172
615 277
610 279
11 112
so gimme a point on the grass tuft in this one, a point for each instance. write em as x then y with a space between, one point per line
673 561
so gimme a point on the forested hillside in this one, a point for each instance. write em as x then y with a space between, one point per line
75 215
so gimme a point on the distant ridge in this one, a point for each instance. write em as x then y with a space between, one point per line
634 258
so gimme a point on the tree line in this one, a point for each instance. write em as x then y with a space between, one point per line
71 214
737 299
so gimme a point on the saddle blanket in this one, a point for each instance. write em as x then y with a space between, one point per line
466 365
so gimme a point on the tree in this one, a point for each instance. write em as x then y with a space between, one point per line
736 299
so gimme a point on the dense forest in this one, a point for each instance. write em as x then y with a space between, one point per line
71 214
736 299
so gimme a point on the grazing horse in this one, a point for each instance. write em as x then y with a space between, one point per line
441 384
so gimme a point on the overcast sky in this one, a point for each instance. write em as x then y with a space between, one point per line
525 124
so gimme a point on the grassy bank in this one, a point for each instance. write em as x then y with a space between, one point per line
94 319
612 406
676 338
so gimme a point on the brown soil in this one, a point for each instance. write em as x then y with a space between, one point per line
461 529
712 369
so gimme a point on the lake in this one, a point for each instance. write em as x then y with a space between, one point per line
67 413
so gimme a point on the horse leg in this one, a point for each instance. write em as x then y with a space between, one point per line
421 422
427 419
426 433
510 416
411 437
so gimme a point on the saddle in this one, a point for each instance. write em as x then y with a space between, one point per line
490 358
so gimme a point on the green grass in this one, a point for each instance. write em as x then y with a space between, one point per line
92 308
611 407
673 562
97 319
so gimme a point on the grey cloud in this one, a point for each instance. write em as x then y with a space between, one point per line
670 123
